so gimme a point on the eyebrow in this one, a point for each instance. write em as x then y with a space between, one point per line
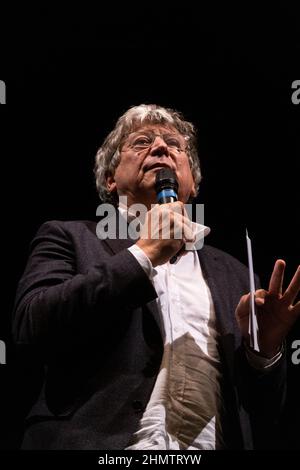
153 132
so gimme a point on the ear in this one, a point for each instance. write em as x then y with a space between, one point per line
111 185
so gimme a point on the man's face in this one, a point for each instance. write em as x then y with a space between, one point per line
143 153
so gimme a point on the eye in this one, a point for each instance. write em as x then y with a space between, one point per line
142 140
172 142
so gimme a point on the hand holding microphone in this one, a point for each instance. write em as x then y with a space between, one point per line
166 228
166 186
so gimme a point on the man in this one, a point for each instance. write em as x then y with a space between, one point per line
138 352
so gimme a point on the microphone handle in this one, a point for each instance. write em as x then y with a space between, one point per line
167 200
166 196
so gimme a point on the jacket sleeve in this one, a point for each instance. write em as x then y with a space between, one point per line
262 396
54 302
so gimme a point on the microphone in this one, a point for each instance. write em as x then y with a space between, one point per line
166 187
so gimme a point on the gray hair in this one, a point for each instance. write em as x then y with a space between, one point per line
108 155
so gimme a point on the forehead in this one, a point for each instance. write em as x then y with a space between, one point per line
157 128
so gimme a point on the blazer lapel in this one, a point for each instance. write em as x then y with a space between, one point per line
117 244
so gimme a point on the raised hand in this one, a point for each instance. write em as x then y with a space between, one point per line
276 313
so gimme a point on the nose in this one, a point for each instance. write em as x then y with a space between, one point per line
159 147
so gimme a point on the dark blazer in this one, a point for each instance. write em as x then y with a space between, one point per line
88 310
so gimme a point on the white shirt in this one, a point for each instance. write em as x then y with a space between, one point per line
183 411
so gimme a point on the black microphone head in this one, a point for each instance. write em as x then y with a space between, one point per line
166 186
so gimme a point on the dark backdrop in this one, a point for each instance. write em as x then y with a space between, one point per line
71 73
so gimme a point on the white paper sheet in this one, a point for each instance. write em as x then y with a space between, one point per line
253 325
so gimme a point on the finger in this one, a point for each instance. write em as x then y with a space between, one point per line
185 213
182 229
188 233
296 309
293 288
275 285
177 207
168 222
188 236
260 293
260 296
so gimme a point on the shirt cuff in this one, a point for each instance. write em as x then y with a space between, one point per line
262 363
143 260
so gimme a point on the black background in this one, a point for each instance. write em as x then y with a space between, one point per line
70 73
